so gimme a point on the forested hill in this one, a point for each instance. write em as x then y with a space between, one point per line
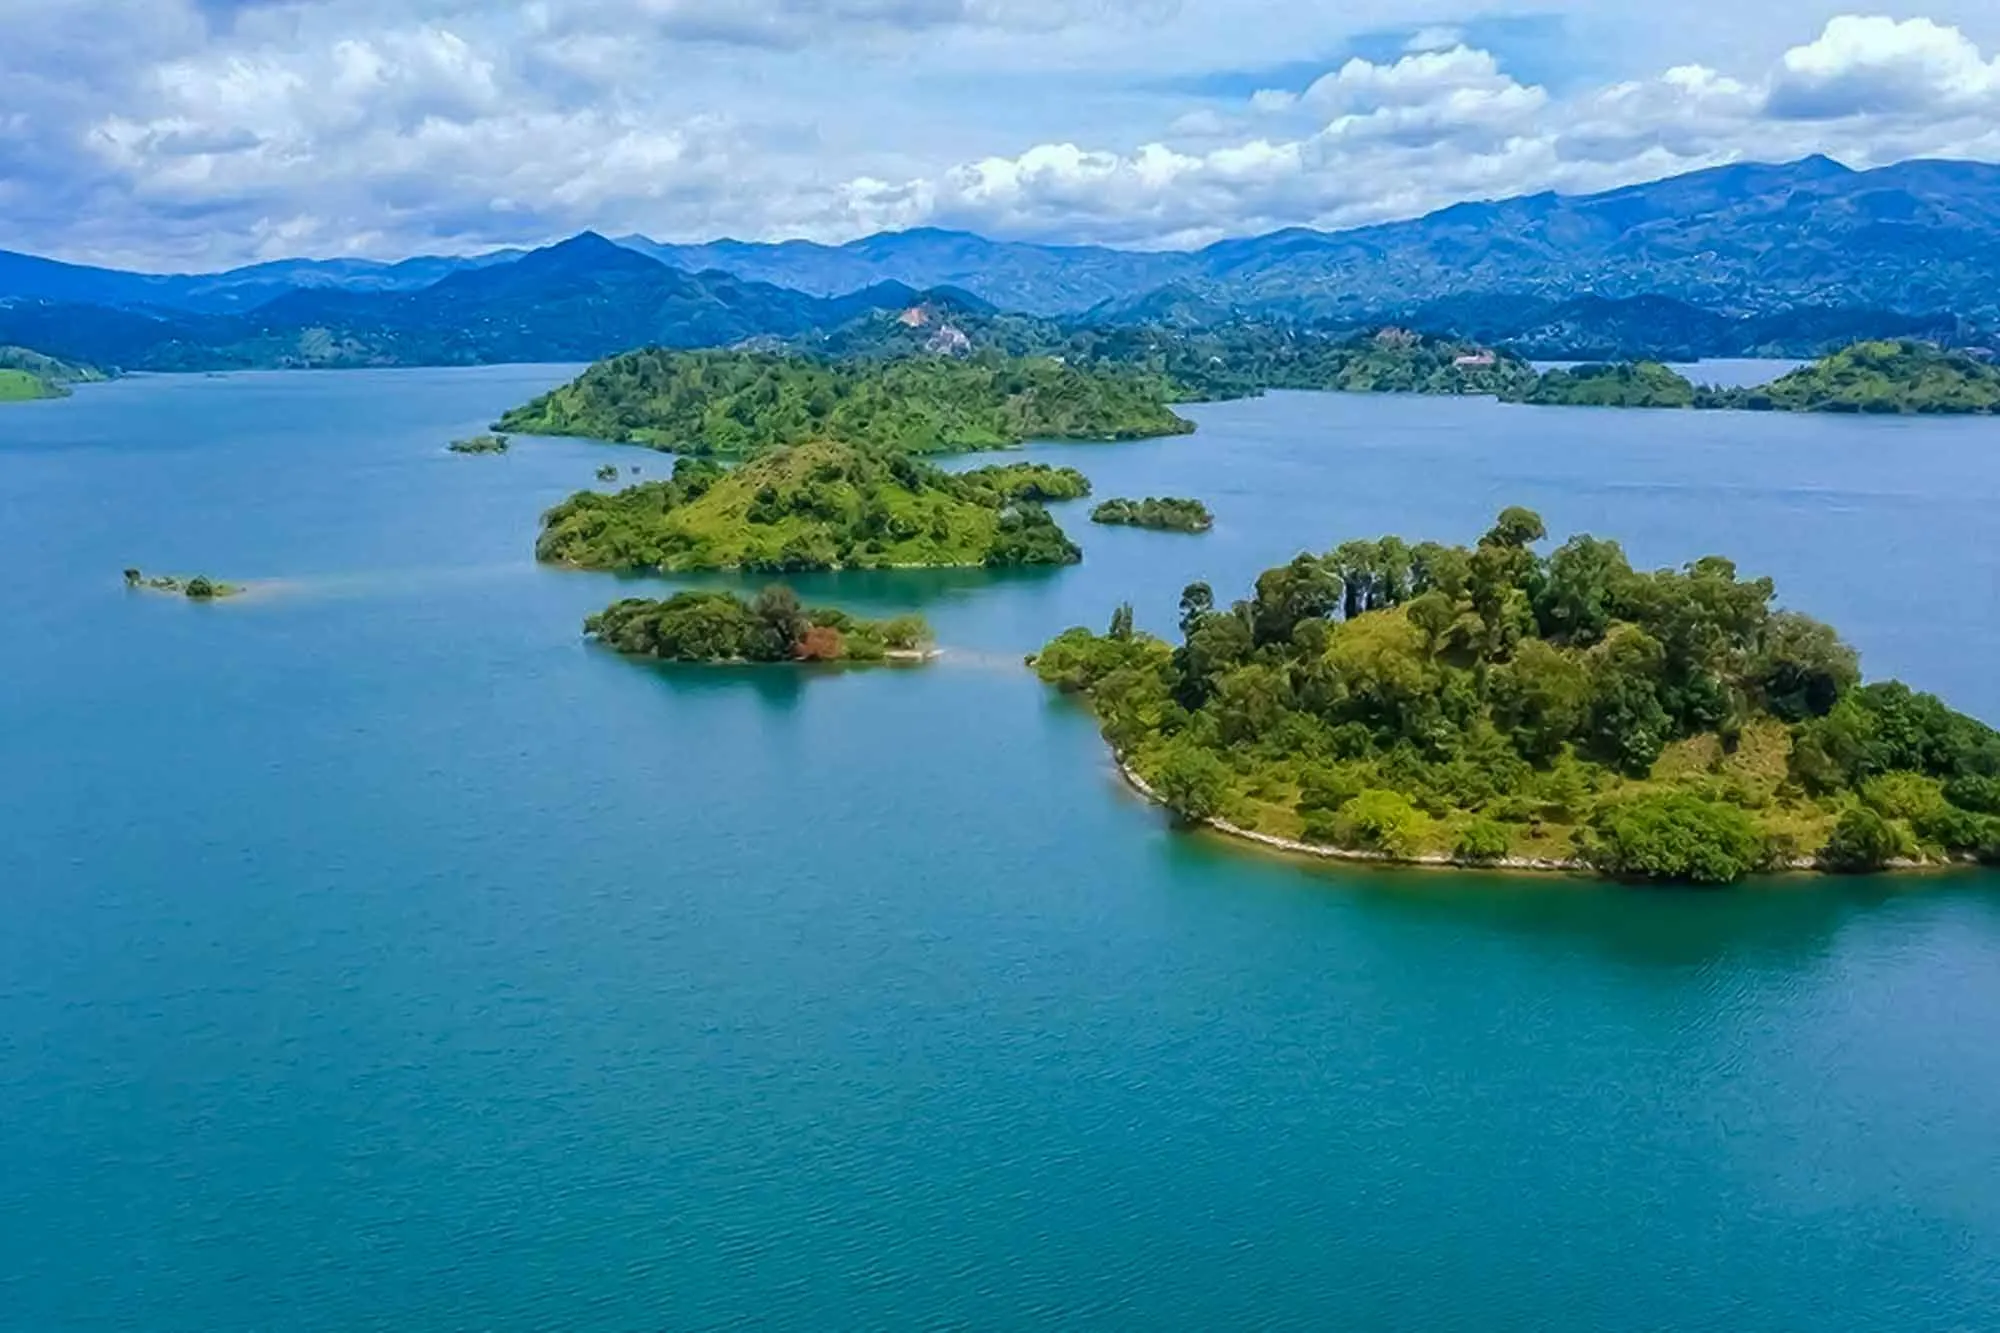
1881 377
739 402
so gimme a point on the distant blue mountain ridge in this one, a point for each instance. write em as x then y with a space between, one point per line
1733 259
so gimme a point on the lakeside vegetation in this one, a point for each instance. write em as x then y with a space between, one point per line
480 444
197 588
737 403
721 628
815 506
1168 514
26 376
18 386
1492 704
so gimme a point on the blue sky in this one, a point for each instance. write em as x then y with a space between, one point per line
175 134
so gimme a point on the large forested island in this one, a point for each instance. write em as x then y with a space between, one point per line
813 506
1494 705
738 402
721 627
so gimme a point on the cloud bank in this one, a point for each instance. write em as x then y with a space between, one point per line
185 134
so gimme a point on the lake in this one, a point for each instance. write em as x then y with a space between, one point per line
378 955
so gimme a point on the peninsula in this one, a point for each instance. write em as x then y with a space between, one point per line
814 506
1878 377
722 628
27 375
741 402
1492 705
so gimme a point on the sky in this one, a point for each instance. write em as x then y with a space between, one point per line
196 134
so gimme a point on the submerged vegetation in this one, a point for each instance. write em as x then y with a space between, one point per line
1487 704
480 444
1165 514
198 588
742 402
816 506
721 627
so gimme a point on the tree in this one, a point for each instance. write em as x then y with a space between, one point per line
1515 528
1197 601
1588 581
783 620
1193 783
820 643
1862 841
1121 623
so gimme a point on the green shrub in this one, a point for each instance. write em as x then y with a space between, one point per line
1863 841
1676 836
1482 840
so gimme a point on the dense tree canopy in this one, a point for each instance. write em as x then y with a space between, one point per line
1444 701
740 402
1168 514
773 626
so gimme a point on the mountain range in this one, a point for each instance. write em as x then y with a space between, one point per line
578 300
1722 261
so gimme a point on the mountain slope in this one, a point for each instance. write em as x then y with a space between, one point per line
1033 279
30 277
581 300
1914 236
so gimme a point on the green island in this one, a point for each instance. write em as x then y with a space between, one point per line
198 588
723 628
1436 704
1166 514
608 472
1039 482
741 402
1631 384
480 444
1877 377
822 505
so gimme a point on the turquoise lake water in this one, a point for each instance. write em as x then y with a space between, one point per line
377 955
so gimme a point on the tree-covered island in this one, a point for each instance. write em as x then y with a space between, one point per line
739 402
1164 514
1492 705
815 506
489 443
722 628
